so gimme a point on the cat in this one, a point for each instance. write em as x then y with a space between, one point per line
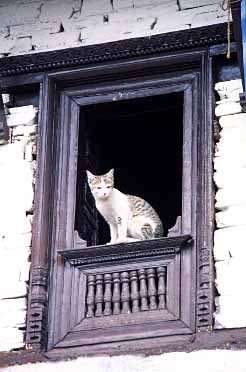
129 217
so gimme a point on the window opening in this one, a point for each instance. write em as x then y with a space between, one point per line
142 140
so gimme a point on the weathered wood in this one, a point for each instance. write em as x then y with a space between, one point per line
63 95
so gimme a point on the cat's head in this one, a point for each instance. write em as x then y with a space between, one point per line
101 186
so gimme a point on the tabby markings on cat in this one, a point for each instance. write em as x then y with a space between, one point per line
130 218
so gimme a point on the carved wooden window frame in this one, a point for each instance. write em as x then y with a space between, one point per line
56 254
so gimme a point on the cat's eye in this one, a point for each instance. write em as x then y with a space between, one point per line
99 187
108 187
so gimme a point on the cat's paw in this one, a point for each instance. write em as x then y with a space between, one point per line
111 242
126 240
122 240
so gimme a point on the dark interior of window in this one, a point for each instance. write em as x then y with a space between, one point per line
142 139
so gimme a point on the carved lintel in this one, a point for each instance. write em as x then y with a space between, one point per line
125 251
79 56
176 230
36 335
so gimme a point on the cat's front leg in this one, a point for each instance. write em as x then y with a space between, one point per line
113 234
122 230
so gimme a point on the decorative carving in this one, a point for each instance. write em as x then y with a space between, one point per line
36 335
134 291
143 290
121 252
176 230
116 293
169 42
99 295
120 292
107 295
162 282
152 288
204 293
90 301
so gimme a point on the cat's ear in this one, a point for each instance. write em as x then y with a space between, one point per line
90 176
111 173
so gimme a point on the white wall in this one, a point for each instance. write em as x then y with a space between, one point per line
28 26
16 197
230 179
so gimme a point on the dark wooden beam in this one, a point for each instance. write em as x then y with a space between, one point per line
4 131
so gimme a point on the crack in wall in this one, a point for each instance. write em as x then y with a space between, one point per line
40 10
153 24
179 6
105 18
76 11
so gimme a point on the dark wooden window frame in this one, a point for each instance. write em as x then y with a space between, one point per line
65 94
56 256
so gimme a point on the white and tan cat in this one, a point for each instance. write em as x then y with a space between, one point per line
130 218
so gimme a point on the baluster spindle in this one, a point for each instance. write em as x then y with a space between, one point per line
116 293
90 301
162 272
99 295
143 290
152 289
125 293
134 291
107 294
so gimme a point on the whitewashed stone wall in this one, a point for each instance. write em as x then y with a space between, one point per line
16 198
230 236
28 26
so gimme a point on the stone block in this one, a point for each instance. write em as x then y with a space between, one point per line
231 312
207 15
11 338
230 276
232 216
121 4
228 108
226 162
56 11
188 4
93 7
236 147
12 290
221 253
6 45
16 240
19 13
24 115
12 305
230 177
43 40
233 121
231 240
229 90
30 28
230 196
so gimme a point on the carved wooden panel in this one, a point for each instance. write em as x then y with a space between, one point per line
134 284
